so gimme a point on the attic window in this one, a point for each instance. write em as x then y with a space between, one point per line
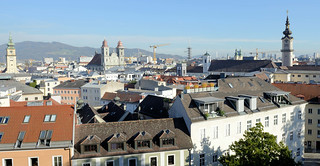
117 146
230 85
20 139
117 142
143 140
167 138
50 118
1 135
90 148
143 144
4 120
45 137
168 141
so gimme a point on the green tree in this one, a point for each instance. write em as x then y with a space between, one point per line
258 148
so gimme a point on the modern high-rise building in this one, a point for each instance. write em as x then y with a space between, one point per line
11 58
287 46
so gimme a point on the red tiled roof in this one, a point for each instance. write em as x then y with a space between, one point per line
62 127
309 91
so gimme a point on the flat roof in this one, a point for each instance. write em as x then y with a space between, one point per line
207 100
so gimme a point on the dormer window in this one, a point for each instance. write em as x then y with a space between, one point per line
278 97
20 139
91 144
167 138
117 142
209 105
142 140
45 137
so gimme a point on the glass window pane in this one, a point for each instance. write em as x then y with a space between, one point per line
49 134
53 118
21 135
42 134
26 119
47 118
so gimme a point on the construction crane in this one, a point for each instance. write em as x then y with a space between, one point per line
261 52
154 51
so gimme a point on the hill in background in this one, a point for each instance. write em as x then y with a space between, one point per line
39 50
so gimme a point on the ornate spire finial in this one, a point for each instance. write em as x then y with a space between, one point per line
287 32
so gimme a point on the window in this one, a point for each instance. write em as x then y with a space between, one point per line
299 114
110 163
4 120
117 146
258 120
314 76
248 124
266 122
171 160
167 141
275 120
299 133
239 128
228 130
7 162
132 162
86 164
283 137
292 116
318 111
299 75
90 148
284 118
143 144
50 118
36 98
309 121
33 161
293 75
26 99
310 110
20 139
309 132
57 160
215 132
26 119
45 137
202 160
153 161
291 135
307 75
215 158
1 135
75 92
202 133
298 152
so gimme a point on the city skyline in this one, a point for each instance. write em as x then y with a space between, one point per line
209 26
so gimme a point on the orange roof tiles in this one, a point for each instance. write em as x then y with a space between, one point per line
307 91
62 127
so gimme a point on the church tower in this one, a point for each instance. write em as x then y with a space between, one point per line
104 54
120 52
206 62
11 57
287 46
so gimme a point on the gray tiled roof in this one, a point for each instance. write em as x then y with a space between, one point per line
240 65
129 130
242 85
21 87
73 84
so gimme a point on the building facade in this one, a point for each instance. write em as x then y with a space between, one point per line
69 91
216 120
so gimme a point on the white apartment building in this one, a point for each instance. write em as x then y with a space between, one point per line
47 85
217 119
92 92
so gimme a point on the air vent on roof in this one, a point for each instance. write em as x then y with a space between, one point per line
250 83
230 85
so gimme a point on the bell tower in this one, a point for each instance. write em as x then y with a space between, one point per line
287 45
11 57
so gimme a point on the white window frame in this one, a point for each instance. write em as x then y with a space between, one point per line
57 156
228 130
275 120
133 159
153 157
24 119
109 161
29 160
202 133
6 159
215 132
266 121
174 159
239 128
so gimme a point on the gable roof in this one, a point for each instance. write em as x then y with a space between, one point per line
124 96
96 60
240 65
71 84
154 106
128 131
62 127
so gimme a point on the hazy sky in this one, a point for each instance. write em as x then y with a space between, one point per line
214 26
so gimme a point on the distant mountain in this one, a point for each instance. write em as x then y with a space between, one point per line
39 50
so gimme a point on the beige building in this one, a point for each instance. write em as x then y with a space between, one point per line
310 93
92 92
301 74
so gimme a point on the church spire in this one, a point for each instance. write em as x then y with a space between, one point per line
10 43
287 33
